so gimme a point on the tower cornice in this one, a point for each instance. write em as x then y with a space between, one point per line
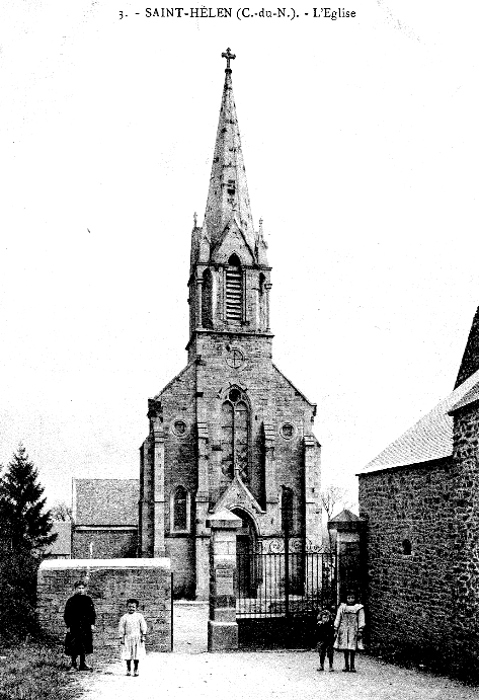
237 333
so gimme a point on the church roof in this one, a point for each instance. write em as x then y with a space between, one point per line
228 200
470 359
101 502
431 437
175 379
471 397
296 390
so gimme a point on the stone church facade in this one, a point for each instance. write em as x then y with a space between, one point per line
420 502
230 430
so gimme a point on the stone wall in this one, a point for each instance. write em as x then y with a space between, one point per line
104 543
410 599
423 605
110 584
465 495
181 551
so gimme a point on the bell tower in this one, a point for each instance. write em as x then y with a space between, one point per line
229 281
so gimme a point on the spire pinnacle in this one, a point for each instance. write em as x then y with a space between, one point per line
228 200
229 57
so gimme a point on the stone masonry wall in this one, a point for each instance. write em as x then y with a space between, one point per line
410 601
105 544
181 551
465 495
110 584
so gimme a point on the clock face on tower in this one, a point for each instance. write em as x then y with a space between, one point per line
235 358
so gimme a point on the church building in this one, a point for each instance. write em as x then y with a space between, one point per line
230 430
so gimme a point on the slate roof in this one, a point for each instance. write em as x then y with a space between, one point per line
470 397
345 516
105 502
431 437
63 544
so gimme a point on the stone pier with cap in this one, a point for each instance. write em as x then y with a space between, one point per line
222 625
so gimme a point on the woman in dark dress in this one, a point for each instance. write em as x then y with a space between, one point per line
79 618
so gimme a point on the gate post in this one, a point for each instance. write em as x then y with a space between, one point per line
348 529
222 625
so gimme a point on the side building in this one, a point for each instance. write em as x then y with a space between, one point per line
420 501
105 518
230 430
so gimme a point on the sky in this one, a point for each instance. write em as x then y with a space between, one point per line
360 142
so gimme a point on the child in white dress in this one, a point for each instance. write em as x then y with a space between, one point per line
349 625
132 630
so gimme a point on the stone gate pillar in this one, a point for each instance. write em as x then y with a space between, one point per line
222 625
347 528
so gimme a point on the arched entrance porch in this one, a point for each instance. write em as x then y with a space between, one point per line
246 548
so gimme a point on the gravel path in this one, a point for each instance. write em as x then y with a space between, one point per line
191 672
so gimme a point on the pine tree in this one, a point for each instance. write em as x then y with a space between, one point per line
26 526
25 531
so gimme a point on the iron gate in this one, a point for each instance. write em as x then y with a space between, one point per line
294 581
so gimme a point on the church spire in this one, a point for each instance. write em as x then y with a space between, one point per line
228 200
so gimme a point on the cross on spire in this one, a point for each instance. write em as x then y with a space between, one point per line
229 57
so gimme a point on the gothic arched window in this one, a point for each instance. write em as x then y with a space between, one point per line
234 290
180 510
287 510
261 301
235 434
207 300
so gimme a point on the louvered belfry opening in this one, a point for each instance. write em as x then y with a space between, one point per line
234 290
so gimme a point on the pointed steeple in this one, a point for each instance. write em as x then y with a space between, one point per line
470 359
228 201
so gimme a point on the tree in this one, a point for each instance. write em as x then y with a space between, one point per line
331 497
25 525
61 511
25 531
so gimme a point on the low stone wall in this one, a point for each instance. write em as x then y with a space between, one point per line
110 583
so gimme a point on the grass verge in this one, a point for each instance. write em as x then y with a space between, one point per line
39 671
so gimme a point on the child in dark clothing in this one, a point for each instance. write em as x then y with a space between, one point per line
325 636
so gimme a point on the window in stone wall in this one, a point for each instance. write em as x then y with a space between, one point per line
262 321
234 290
235 434
207 300
179 427
180 510
287 510
287 431
406 547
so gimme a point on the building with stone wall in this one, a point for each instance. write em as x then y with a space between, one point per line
105 518
420 501
230 430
